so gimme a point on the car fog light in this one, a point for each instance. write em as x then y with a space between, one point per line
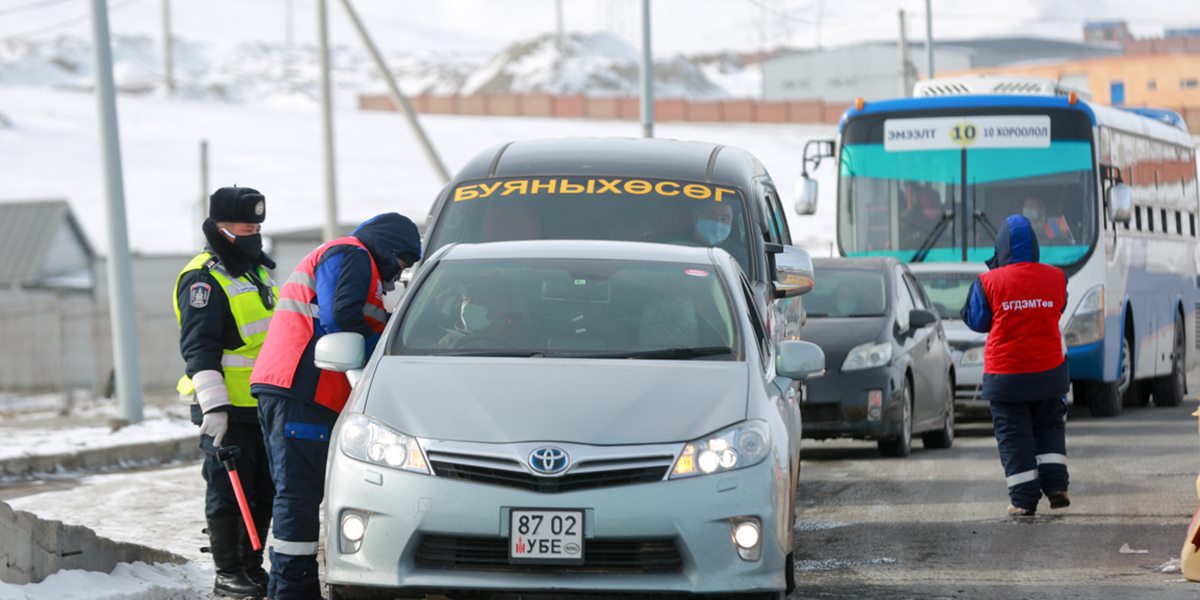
746 535
874 405
353 527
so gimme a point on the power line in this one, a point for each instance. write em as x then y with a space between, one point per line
30 6
64 24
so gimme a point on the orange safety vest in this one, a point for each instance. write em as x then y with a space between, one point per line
296 325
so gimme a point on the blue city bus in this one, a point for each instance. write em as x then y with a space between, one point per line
1112 194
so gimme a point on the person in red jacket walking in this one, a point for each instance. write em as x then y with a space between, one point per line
337 287
1025 377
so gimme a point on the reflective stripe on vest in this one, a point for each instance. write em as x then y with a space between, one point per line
295 324
252 319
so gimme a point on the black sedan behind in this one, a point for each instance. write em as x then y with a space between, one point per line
889 370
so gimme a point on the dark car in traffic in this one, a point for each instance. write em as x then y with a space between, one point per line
889 369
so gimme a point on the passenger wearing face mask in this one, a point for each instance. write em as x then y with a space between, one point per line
338 287
1050 231
224 299
481 314
713 222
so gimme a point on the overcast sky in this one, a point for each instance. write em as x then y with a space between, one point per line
680 26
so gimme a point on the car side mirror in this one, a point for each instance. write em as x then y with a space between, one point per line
918 318
806 196
341 352
795 359
1120 203
793 272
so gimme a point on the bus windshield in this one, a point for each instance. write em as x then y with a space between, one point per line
596 208
937 188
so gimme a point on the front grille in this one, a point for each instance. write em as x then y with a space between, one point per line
821 413
548 485
608 556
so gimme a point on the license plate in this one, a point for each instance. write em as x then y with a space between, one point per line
545 536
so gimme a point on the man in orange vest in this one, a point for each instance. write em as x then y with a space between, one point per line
337 287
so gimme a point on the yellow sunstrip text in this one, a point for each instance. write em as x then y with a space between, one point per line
592 186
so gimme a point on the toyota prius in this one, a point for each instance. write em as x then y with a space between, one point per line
571 416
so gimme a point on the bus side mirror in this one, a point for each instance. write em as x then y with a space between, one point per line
1120 203
806 195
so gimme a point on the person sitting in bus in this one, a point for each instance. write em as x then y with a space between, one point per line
1052 231
918 223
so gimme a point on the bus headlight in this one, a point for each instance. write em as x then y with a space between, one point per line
1087 324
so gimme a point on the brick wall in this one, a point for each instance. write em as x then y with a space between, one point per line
625 108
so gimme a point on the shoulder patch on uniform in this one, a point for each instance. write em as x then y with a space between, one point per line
198 294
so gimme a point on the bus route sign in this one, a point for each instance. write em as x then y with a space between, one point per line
953 133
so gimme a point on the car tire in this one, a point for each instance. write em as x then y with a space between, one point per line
1105 399
901 446
944 437
789 574
1169 389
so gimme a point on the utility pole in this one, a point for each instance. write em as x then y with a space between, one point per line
929 39
558 23
202 205
397 96
647 100
168 58
903 47
120 276
331 222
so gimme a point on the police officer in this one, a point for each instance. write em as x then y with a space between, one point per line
338 287
1025 377
224 299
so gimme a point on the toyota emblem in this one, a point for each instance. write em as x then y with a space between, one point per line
549 460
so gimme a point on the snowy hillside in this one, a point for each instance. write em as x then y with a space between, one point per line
592 64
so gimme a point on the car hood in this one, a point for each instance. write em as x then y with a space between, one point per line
586 401
958 334
838 336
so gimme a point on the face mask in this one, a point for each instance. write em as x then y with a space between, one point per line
474 317
712 232
1032 214
249 246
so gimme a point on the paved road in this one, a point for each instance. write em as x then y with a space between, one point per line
933 525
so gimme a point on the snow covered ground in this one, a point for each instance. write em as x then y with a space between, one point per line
28 437
52 151
137 581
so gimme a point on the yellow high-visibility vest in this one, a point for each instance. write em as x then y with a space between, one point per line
252 319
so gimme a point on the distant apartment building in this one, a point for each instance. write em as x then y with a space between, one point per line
1106 31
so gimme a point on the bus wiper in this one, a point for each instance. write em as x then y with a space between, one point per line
664 353
987 224
938 228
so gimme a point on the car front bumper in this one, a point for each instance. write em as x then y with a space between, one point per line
407 512
837 405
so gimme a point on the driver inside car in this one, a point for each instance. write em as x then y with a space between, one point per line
482 317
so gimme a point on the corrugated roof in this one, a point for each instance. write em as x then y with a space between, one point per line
26 231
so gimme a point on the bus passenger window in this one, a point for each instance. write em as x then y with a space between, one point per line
1149 219
1179 222
1192 220
1137 215
1165 228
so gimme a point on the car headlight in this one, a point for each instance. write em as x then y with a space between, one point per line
743 445
363 438
869 355
1087 323
972 357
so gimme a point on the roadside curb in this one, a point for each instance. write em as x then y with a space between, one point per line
103 459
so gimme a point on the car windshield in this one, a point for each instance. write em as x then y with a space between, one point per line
847 293
570 308
947 291
596 208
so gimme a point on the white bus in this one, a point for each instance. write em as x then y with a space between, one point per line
1112 193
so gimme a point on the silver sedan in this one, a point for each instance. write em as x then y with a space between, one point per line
570 416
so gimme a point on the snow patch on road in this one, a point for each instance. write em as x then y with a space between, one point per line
832 564
57 440
136 581
819 525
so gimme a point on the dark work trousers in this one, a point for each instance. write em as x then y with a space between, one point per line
1032 436
297 438
253 471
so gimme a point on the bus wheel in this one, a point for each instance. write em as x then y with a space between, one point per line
1168 389
1105 398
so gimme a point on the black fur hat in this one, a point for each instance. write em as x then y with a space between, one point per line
237 205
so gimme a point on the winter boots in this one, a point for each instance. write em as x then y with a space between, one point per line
251 559
225 540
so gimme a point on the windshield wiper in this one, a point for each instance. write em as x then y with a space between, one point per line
664 353
503 353
987 224
934 235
